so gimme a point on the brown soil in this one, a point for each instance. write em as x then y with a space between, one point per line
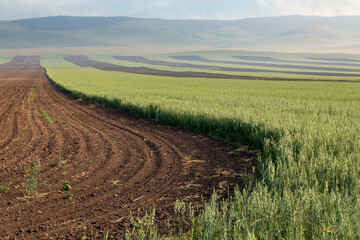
115 163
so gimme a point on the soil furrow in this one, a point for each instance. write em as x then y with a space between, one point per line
113 162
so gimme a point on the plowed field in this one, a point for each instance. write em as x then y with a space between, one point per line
114 163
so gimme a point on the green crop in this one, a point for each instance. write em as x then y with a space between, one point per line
308 133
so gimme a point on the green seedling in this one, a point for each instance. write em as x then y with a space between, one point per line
46 116
62 161
67 186
5 188
23 131
33 96
68 196
32 185
112 142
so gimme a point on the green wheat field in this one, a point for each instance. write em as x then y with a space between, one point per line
307 177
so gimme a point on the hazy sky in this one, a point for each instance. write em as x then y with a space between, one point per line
176 9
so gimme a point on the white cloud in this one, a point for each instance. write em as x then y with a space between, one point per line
175 9
310 7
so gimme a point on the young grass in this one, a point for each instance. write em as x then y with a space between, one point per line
23 131
66 186
62 161
5 188
32 185
46 116
69 196
33 96
142 227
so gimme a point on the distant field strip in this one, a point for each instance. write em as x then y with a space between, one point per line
308 173
277 66
213 70
84 61
270 59
336 59
140 59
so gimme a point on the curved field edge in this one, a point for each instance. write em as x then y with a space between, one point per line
5 59
308 174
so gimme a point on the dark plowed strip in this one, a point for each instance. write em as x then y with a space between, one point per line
114 162
84 61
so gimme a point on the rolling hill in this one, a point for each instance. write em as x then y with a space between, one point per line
305 33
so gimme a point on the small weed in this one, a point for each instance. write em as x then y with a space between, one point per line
236 153
52 135
66 186
46 116
62 161
5 188
64 173
23 131
84 237
92 160
112 142
31 187
187 158
64 122
33 96
68 196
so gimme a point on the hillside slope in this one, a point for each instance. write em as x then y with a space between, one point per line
272 33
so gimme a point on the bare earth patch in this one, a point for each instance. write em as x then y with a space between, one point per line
113 162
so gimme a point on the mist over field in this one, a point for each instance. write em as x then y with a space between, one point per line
287 33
